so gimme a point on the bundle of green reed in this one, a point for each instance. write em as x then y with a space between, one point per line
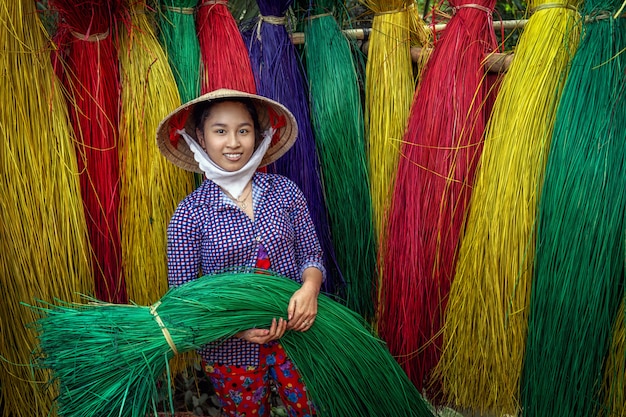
340 142
579 261
108 358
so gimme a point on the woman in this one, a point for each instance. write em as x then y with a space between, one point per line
242 218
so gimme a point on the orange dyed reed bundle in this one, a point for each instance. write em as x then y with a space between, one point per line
89 67
441 149
225 59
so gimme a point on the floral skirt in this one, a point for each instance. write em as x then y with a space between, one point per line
246 391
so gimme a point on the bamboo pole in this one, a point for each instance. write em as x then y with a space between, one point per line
494 62
363 34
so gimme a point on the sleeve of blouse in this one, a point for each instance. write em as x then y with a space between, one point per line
183 248
308 249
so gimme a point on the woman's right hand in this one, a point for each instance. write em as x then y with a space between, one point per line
261 336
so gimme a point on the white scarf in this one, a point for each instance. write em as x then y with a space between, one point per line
233 182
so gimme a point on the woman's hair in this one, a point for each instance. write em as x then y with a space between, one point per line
202 111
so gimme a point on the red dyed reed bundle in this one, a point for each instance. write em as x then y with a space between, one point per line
226 63
89 67
442 145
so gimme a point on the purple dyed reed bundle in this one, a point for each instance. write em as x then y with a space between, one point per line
279 75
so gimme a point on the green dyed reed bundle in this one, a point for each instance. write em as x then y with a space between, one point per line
339 137
178 34
108 357
579 262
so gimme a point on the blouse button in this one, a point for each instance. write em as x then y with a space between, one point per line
258 238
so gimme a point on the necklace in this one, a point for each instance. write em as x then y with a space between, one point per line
241 202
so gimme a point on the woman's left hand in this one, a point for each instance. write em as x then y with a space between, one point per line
302 308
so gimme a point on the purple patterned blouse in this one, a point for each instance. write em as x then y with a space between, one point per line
208 233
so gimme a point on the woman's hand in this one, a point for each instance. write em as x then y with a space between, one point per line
262 336
302 308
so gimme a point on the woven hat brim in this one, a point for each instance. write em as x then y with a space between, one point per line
178 152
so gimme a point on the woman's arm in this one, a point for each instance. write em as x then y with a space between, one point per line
302 308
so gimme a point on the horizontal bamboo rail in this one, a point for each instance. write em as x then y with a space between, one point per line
496 62
363 34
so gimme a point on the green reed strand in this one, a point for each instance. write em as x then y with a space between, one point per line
580 241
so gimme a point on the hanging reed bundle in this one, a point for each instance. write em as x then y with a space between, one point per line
279 75
107 358
151 187
614 402
579 261
225 59
338 124
177 30
438 158
89 64
389 88
44 248
486 316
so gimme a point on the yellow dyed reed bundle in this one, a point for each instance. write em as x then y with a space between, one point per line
389 88
614 387
486 318
44 250
151 187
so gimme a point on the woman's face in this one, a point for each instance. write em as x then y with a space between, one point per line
227 135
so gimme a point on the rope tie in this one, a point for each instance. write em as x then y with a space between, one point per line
597 16
317 16
602 15
91 38
214 2
166 333
390 12
179 10
273 20
552 6
472 6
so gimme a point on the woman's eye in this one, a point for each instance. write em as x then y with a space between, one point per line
220 131
243 131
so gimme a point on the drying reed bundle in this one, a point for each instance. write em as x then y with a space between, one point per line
90 72
108 357
486 317
44 249
338 124
151 187
224 55
177 30
579 262
615 370
441 149
279 75
389 88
